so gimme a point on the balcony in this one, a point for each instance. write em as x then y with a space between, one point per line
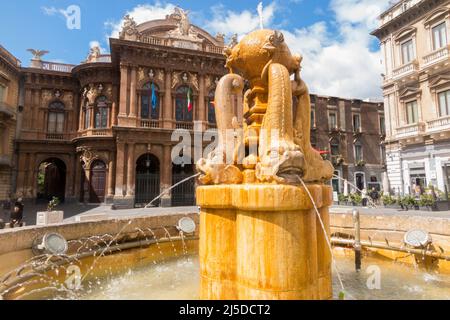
152 124
7 110
54 136
58 67
409 69
97 133
436 56
5 161
438 125
411 130
184 125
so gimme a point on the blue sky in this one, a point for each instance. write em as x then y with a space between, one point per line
319 29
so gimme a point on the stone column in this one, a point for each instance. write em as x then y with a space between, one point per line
201 101
167 110
111 175
123 91
120 171
166 176
131 172
261 242
133 106
114 106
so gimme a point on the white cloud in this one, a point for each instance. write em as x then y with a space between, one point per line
230 22
141 14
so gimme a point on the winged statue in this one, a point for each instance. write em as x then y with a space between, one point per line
38 54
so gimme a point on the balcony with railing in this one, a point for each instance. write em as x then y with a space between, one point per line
58 67
97 133
184 125
5 160
7 110
151 124
411 130
436 56
168 42
438 125
405 70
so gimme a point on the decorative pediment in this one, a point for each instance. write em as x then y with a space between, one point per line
409 92
440 80
405 33
436 15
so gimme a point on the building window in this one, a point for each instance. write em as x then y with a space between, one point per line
411 112
356 123
407 51
211 107
444 103
382 126
55 122
2 93
334 147
101 113
87 117
332 120
184 104
150 105
439 36
358 152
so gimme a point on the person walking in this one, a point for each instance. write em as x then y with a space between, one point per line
364 197
17 214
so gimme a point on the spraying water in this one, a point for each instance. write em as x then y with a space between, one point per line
172 187
261 15
326 236
354 186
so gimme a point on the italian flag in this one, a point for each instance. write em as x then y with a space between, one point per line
189 100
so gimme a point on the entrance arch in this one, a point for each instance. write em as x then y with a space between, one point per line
97 182
184 194
147 179
51 179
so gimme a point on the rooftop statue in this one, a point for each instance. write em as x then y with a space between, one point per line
184 28
38 54
284 152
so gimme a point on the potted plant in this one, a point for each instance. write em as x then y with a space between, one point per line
343 199
427 202
51 216
389 201
360 163
356 199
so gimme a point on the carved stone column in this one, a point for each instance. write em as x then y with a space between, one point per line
123 90
166 176
130 172
120 171
201 101
114 106
111 176
168 112
133 105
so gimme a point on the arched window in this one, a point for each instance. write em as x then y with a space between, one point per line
101 113
55 122
358 151
334 147
211 107
184 104
150 101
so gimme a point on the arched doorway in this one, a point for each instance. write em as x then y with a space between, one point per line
97 182
51 180
184 194
147 179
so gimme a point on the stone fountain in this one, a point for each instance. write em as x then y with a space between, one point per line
260 234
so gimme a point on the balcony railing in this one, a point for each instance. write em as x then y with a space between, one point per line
436 56
411 130
153 124
58 67
54 136
184 125
181 44
5 160
96 133
7 109
405 70
439 124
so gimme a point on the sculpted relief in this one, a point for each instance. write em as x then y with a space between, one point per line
278 147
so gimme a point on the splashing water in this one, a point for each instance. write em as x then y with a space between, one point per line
342 293
172 187
354 186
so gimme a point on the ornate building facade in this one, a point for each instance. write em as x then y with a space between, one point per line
415 41
9 101
101 131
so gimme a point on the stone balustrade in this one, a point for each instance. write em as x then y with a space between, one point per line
411 130
405 70
58 67
152 124
436 56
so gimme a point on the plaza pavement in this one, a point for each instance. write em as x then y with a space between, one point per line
72 210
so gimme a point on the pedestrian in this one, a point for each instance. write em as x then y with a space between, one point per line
364 197
17 214
374 196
